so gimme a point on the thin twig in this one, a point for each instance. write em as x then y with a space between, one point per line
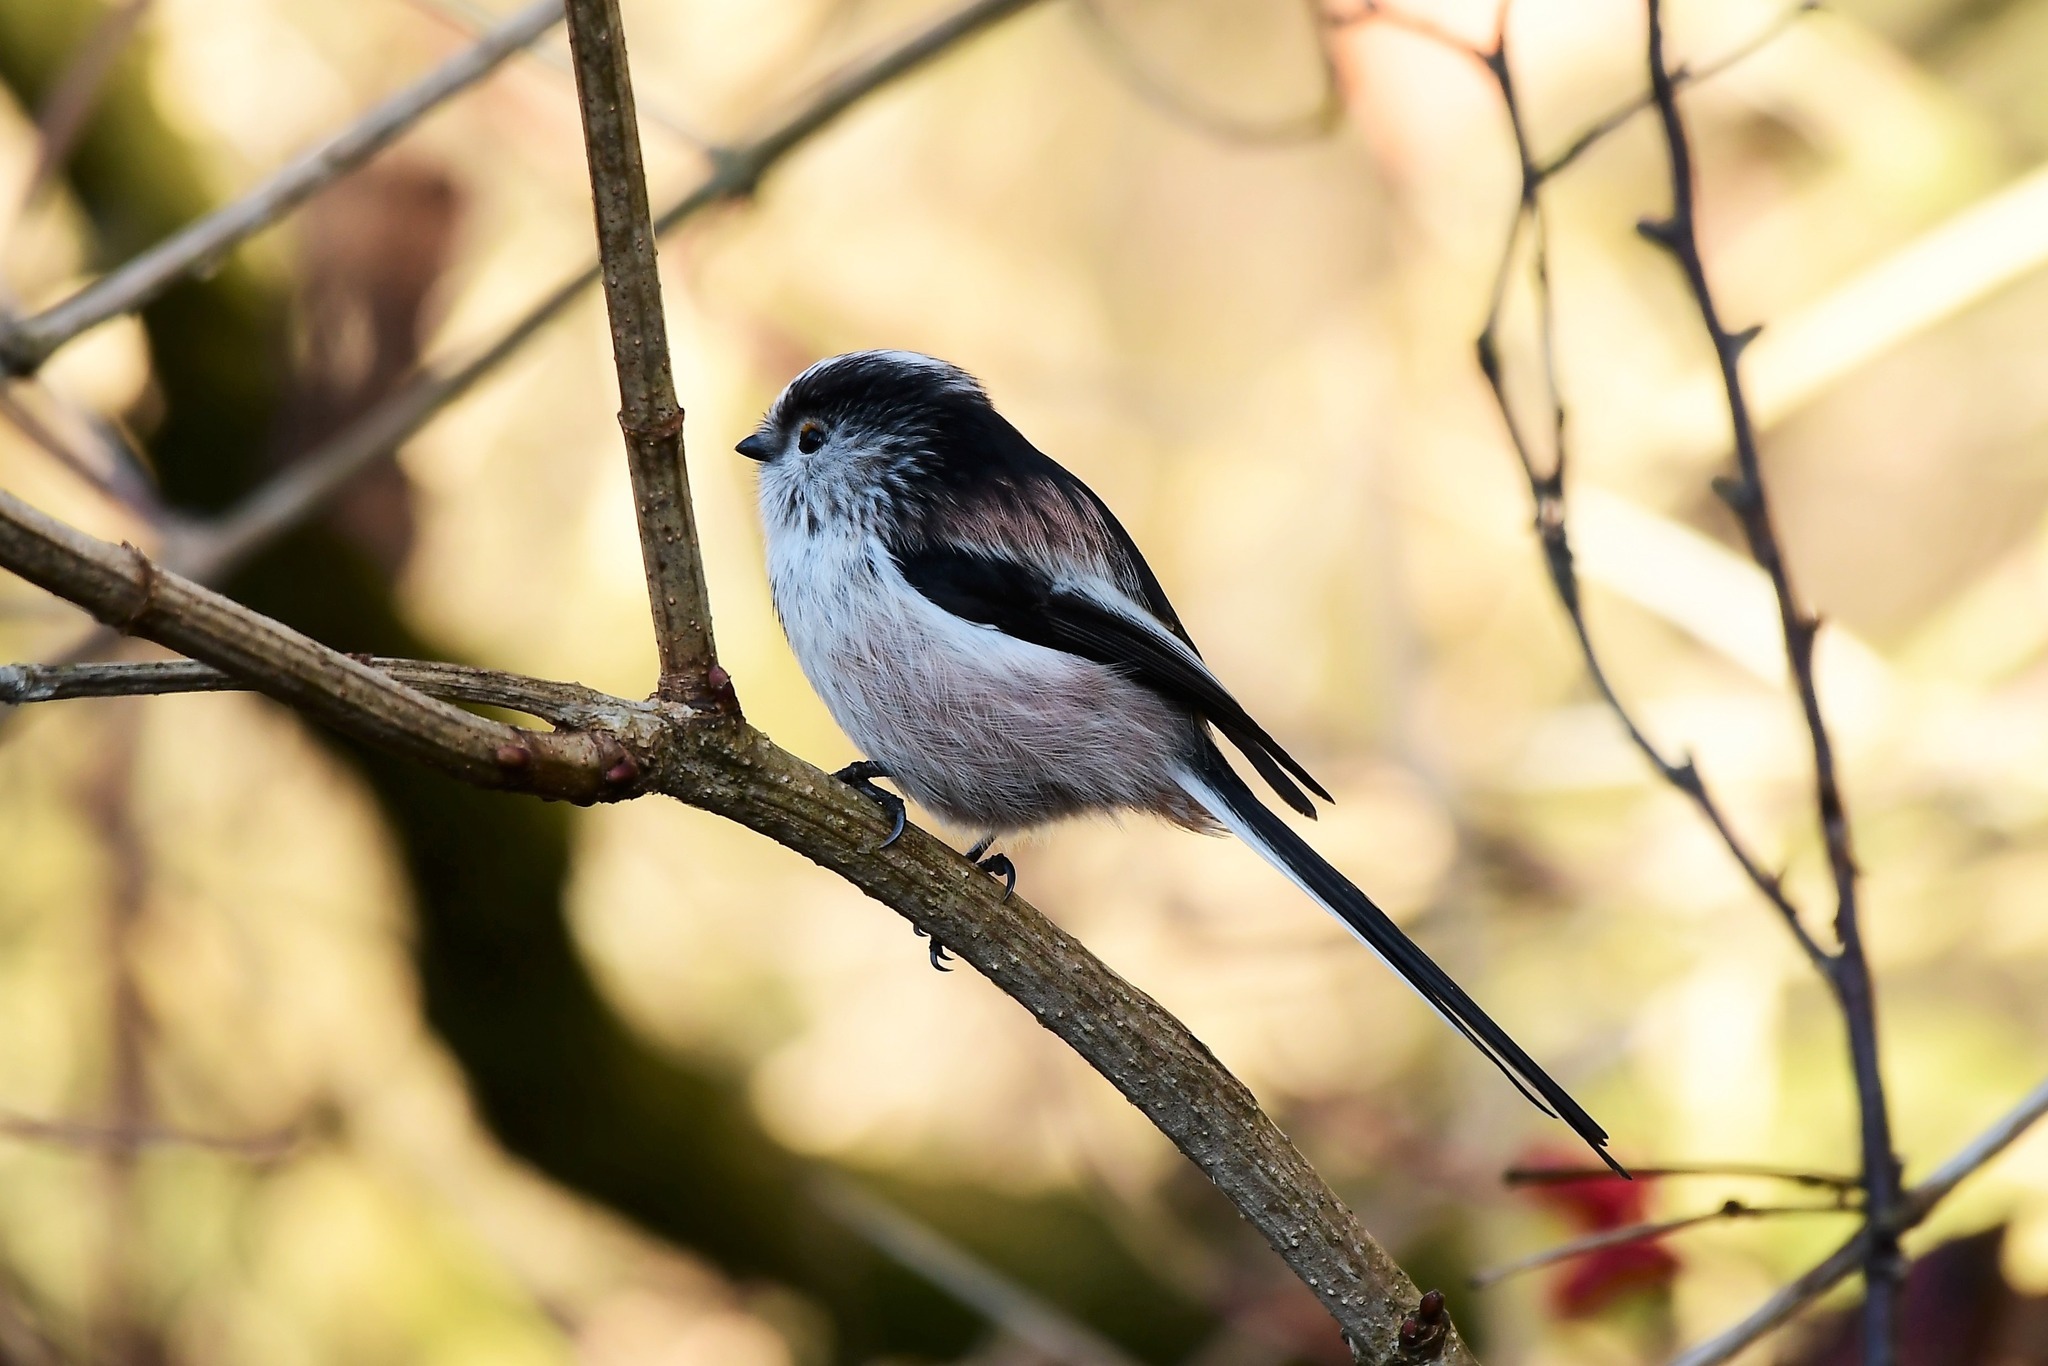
125 589
72 1134
472 18
649 413
1978 1151
1644 1233
1158 92
1913 1208
1681 77
66 111
26 343
1848 972
568 705
1547 1176
216 548
911 1243
1546 478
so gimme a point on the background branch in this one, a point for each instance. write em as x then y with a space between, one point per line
1547 479
212 549
1847 971
26 343
1911 1210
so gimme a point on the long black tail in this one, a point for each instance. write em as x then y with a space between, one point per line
1226 797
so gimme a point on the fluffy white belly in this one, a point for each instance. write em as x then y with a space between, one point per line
993 733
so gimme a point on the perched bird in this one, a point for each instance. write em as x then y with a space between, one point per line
988 633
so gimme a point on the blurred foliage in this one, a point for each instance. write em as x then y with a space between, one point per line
559 1081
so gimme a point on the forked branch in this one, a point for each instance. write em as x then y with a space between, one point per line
608 748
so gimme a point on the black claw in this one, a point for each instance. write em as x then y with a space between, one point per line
999 865
860 777
940 954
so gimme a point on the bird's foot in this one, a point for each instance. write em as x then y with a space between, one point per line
860 777
941 955
995 865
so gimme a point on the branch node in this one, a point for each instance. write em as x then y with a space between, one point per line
1424 1333
1738 342
1661 232
514 757
1741 496
662 430
1489 355
145 600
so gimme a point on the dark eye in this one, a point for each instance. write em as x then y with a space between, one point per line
810 438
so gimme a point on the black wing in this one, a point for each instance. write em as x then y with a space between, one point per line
1022 602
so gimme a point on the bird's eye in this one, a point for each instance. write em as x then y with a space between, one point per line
810 438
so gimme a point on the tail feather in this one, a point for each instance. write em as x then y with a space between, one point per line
1225 796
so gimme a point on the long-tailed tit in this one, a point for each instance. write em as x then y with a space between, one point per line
986 631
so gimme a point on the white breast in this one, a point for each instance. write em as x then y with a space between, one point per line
989 731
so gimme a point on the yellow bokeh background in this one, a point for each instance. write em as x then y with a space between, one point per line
1260 353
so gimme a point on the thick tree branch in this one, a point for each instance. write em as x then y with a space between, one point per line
720 764
26 343
649 413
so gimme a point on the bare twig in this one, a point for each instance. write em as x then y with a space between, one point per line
1847 971
218 547
472 18
67 110
1681 77
1643 1233
1920 1200
1547 1176
922 1249
71 1134
1784 1302
1158 92
124 588
26 343
40 434
568 705
649 413
1546 478
1912 1209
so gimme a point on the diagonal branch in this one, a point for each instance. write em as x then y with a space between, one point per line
720 764
1645 1233
649 413
26 343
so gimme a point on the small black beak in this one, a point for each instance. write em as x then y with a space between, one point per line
757 447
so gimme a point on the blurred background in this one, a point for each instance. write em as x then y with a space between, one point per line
310 1057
